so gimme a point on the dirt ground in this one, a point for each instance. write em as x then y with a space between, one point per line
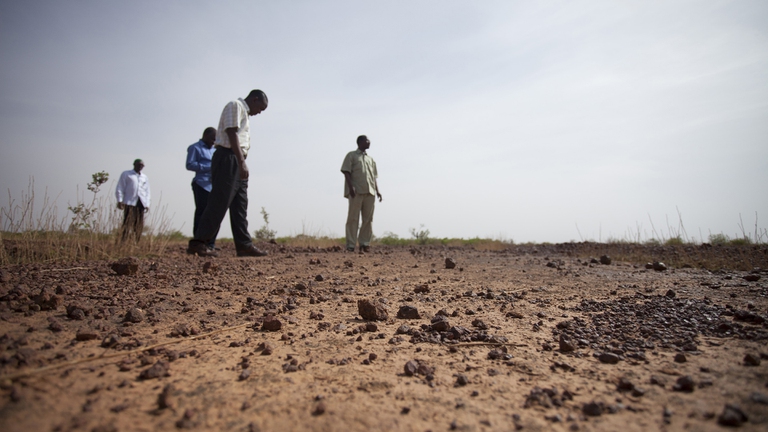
528 339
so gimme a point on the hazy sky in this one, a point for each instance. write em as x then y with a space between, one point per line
508 119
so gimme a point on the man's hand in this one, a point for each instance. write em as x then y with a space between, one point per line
380 197
121 206
146 209
243 171
352 192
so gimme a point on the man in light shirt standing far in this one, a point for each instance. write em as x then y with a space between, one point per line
229 176
361 189
132 194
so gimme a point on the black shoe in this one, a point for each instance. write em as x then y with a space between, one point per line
365 249
251 251
201 250
349 249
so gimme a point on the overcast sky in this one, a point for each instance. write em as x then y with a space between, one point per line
527 121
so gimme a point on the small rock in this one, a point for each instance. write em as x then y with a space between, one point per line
158 370
609 358
210 267
319 278
670 294
751 360
408 312
659 266
319 409
680 358
625 384
271 323
566 344
134 315
685 384
126 267
86 335
605 259
166 398
759 398
372 311
593 409
752 277
732 416
450 263
410 368
461 380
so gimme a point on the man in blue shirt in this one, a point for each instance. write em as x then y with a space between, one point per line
199 157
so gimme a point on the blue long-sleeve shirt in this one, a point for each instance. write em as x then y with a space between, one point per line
199 160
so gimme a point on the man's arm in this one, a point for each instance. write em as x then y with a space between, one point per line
378 193
195 162
234 142
119 192
348 179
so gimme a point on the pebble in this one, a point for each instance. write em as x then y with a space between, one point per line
732 415
751 360
609 358
408 312
372 311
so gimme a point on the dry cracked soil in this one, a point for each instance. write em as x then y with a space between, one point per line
408 339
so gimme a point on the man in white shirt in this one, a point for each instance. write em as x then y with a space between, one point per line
229 188
132 194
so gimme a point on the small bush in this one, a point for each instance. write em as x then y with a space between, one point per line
421 236
264 233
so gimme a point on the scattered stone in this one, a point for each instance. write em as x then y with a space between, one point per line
625 384
418 367
450 263
659 266
593 409
638 392
271 323
605 260
732 415
244 374
609 358
759 398
408 312
319 278
566 344
372 311
47 301
680 358
752 277
134 315
685 384
158 370
403 329
440 323
319 409
86 335
670 294
266 348
186 421
461 380
210 267
128 266
166 398
751 360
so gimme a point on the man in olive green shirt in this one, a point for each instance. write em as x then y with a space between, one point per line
361 189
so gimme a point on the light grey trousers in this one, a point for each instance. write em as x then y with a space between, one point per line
360 205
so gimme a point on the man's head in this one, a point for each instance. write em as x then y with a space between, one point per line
257 102
138 165
363 143
209 136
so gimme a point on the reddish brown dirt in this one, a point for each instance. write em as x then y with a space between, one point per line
74 339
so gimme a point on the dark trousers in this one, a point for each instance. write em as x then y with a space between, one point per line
133 221
228 193
201 202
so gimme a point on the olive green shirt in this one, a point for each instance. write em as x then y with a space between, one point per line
363 170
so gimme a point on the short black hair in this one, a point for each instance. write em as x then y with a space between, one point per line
361 139
260 95
209 130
